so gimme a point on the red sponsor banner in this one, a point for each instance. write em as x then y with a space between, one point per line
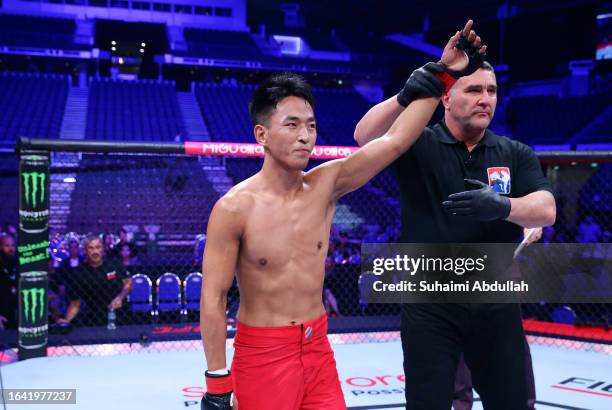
166 330
592 333
233 149
582 391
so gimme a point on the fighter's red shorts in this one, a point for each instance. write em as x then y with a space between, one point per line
286 368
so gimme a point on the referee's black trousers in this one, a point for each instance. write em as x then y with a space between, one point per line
492 340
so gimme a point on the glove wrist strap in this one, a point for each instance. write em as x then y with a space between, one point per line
447 79
219 384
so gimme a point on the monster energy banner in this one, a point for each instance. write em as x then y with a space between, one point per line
33 250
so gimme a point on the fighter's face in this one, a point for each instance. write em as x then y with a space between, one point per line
472 100
94 252
290 132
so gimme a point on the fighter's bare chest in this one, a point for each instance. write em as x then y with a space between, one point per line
273 231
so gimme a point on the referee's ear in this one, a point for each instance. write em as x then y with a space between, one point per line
446 99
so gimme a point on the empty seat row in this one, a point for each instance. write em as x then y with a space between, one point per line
171 294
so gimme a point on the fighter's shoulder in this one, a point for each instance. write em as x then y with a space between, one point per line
236 201
324 175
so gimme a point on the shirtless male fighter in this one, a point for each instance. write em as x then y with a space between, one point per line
272 231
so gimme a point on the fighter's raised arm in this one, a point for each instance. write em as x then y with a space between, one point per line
356 170
379 118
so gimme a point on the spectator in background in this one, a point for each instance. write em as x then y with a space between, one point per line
589 231
9 229
99 284
124 240
152 247
109 243
73 260
9 282
126 257
56 292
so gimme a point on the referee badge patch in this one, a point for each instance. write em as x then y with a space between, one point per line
499 179
111 275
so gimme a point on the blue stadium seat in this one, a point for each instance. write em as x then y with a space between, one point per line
141 297
192 287
169 298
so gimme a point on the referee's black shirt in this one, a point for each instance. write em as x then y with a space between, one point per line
435 167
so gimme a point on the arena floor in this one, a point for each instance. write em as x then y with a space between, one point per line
151 378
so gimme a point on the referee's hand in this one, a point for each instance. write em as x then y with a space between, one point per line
483 204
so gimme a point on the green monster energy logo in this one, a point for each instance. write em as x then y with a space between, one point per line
32 299
31 182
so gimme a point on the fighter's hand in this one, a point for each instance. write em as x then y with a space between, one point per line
218 402
422 83
218 393
464 52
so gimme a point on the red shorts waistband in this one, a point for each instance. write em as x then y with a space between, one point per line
266 335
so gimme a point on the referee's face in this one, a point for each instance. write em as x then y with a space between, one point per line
472 100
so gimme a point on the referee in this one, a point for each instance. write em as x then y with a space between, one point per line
462 183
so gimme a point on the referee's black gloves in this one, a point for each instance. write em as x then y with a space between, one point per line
483 204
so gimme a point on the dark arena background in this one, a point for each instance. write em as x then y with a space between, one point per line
128 120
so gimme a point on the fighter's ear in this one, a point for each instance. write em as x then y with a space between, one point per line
261 134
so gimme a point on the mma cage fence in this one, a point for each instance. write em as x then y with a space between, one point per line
149 204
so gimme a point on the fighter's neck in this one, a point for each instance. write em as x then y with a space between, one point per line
281 181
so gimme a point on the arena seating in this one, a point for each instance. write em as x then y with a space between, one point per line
143 110
549 119
220 44
337 112
224 109
31 105
173 193
38 32
316 39
225 112
601 132
8 192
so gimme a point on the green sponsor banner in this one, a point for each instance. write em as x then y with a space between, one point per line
33 326
33 252
34 194
34 188
33 303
